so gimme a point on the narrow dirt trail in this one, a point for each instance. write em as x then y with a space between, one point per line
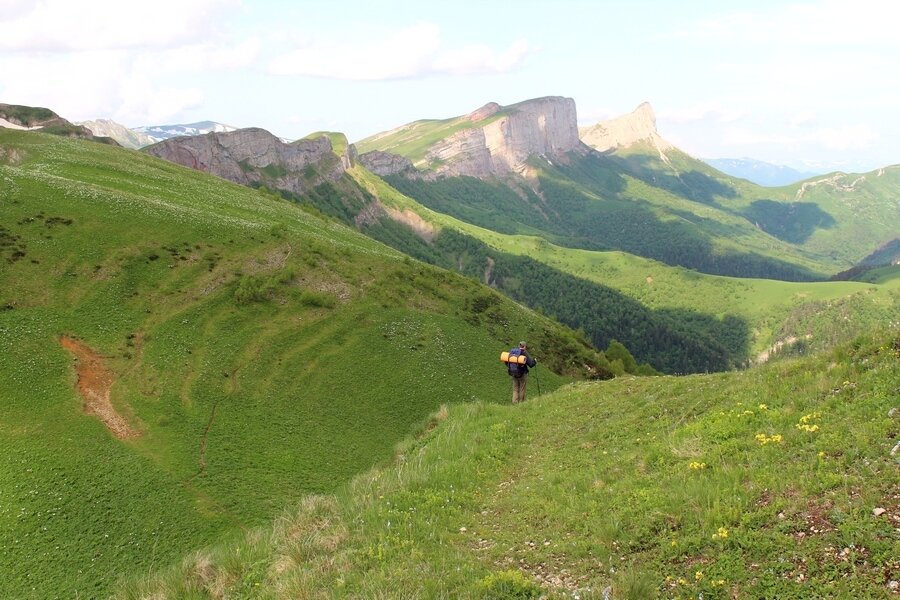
94 383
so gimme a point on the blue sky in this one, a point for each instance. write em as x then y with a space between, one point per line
787 82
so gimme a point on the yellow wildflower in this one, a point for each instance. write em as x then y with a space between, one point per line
721 534
697 466
763 407
698 575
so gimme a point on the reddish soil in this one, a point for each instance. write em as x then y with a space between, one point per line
94 383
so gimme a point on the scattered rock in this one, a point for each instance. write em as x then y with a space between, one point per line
895 449
892 412
878 511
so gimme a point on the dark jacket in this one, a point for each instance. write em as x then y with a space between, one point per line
529 362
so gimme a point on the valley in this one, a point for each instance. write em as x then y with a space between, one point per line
224 326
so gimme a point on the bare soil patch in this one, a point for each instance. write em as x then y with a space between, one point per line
94 383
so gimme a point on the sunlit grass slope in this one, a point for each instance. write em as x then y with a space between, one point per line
777 482
260 352
414 139
838 218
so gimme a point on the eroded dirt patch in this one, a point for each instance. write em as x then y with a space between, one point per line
94 383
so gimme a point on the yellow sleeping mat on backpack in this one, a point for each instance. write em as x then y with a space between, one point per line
505 357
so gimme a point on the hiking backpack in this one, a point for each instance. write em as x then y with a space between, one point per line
513 368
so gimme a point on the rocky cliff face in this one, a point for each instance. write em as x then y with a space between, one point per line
621 132
502 144
255 156
385 163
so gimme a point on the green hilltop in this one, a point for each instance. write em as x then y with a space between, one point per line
246 350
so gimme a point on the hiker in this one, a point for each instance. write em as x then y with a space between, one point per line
519 372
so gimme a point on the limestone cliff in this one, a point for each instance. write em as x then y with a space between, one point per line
385 163
503 138
255 156
621 132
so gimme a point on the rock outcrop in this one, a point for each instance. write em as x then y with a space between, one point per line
385 163
255 156
507 137
621 132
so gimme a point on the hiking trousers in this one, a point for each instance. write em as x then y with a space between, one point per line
519 384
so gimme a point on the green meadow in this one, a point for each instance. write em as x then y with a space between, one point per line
775 482
260 352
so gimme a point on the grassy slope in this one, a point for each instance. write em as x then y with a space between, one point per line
757 484
838 217
262 351
414 139
765 304
866 215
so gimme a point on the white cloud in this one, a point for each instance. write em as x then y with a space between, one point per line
414 51
711 111
140 101
200 57
742 136
480 58
839 139
804 118
63 25
854 137
115 59
824 23
94 84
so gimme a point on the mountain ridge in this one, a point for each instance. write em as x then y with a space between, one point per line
624 131
254 156
490 141
128 138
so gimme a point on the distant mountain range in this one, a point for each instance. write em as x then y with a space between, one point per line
165 132
139 137
759 172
